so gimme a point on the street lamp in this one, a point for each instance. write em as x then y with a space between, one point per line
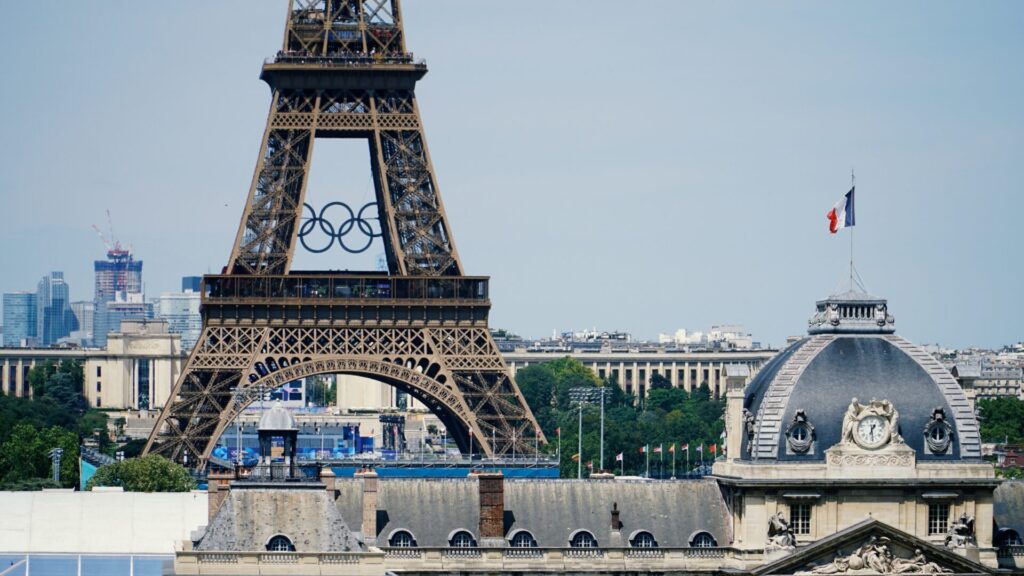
585 395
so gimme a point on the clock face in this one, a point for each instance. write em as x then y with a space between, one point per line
872 431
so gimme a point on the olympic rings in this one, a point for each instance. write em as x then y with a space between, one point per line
355 221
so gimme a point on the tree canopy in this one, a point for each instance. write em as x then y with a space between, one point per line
668 416
150 473
1002 419
56 416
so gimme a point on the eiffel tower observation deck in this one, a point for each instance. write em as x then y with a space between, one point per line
343 71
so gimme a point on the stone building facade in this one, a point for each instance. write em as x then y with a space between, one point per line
851 452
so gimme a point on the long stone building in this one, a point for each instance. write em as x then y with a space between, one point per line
852 451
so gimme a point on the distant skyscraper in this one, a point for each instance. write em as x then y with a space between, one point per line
125 306
190 283
54 318
19 318
181 310
118 273
84 311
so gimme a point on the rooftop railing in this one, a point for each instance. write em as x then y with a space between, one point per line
344 287
346 59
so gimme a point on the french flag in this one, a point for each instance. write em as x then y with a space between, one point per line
841 215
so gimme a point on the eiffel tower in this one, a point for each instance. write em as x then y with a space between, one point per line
344 72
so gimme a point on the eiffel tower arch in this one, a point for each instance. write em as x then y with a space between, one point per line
344 72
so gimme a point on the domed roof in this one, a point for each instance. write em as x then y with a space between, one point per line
852 353
278 418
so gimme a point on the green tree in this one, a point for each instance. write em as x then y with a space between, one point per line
24 457
146 474
659 382
1002 419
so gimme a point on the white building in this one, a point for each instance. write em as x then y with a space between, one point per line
181 310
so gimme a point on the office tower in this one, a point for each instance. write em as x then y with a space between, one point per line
118 273
19 318
54 318
181 310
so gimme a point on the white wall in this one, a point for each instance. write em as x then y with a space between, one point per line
98 522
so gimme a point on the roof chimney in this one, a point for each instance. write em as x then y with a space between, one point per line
492 508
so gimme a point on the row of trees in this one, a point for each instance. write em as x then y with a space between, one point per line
58 416
668 415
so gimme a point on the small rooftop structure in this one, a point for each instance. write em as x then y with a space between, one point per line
852 312
277 419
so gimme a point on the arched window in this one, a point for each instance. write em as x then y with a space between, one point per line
523 539
402 539
582 539
280 543
462 539
1007 537
643 539
703 540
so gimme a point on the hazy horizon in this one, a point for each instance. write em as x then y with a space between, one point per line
667 166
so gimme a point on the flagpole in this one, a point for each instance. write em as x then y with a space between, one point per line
853 184
579 447
673 461
648 453
687 457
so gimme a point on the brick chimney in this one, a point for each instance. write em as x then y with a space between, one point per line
616 523
369 477
217 488
492 508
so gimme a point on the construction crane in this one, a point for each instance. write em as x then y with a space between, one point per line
113 250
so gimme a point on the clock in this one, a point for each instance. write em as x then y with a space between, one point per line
872 432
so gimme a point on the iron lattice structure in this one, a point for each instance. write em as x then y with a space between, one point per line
344 72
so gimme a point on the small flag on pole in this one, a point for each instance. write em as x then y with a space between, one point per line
558 431
672 448
643 449
576 457
713 449
685 447
590 465
700 448
657 449
618 457
842 214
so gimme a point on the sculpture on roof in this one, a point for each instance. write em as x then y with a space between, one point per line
876 557
780 536
961 532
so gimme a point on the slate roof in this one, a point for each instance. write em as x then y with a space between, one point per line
822 374
249 517
1008 506
551 510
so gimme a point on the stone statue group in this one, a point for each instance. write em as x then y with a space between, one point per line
875 557
882 408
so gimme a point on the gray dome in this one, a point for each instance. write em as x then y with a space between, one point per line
278 418
821 374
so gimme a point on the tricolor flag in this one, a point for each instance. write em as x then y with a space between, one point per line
842 215
672 448
657 449
618 457
643 449
685 447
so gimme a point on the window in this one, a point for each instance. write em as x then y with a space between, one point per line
643 540
99 402
462 539
938 518
402 539
1007 537
99 387
800 518
583 539
601 373
99 371
629 375
280 543
523 539
703 540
